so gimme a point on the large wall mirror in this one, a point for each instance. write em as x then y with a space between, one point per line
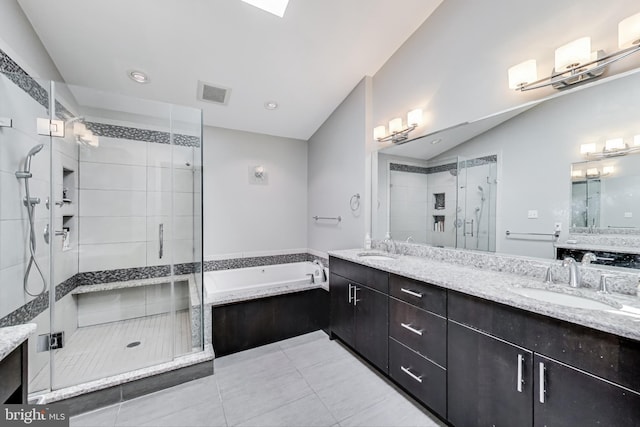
523 163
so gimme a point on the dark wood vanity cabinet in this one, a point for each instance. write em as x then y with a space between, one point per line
493 349
490 381
14 376
572 397
417 340
475 362
360 310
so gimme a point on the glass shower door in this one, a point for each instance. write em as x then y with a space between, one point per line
477 181
25 185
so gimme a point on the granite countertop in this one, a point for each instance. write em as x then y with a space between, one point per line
598 248
499 287
238 295
12 336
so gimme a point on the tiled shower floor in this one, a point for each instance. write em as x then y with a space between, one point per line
99 351
303 381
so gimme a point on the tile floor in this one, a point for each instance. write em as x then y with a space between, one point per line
100 351
303 381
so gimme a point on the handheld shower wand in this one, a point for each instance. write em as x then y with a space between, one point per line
30 203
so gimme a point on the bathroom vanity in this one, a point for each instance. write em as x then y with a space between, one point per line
13 363
471 347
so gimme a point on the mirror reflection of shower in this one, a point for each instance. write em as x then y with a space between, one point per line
30 203
478 214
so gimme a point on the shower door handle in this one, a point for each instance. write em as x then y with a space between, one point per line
161 240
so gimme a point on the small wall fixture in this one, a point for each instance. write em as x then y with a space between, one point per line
614 147
575 62
397 132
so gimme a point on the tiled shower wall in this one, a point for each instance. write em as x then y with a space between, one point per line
119 194
126 192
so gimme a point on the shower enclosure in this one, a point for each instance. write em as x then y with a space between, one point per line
100 229
448 203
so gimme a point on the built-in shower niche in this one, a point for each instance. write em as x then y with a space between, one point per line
438 201
438 223
68 186
67 198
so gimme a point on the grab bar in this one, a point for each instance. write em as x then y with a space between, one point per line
328 218
555 235
161 240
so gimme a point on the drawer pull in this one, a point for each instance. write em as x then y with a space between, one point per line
542 385
350 297
410 292
412 329
411 374
520 372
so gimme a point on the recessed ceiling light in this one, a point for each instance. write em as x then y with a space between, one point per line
138 76
436 141
271 105
276 7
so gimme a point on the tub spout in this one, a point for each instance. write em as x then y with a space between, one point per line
322 270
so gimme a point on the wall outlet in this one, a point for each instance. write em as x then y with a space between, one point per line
557 226
532 214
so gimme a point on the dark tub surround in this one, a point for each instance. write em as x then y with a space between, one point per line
248 324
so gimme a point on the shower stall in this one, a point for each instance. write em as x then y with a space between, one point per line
100 230
449 202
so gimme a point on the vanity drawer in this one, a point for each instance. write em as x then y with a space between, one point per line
425 380
423 332
421 294
375 279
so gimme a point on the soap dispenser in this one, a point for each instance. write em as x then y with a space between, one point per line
367 241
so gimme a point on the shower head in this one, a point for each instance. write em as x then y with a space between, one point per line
27 163
480 188
35 150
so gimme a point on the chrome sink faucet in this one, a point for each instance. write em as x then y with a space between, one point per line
390 245
574 272
588 258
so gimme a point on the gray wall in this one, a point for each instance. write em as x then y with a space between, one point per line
338 170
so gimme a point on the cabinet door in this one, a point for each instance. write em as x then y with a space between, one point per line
571 397
489 380
342 310
372 326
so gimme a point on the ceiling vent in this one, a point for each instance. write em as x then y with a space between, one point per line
213 93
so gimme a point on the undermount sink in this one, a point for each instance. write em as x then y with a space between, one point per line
563 299
376 256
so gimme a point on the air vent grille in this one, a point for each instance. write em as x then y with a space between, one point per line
213 93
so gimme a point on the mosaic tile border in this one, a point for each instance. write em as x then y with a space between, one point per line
427 170
39 304
137 134
35 90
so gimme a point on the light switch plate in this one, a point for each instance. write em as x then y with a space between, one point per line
628 214
532 214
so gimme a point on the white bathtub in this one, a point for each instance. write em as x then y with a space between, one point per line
225 286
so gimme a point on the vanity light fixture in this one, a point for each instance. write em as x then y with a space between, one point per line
593 172
577 173
575 62
614 147
397 132
271 105
607 170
